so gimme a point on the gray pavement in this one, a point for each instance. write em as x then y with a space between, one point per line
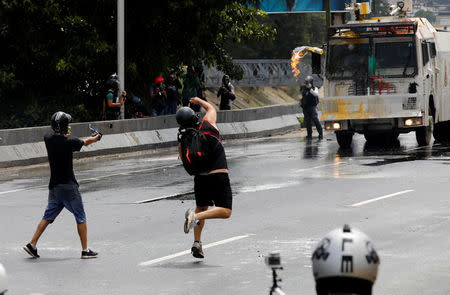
288 193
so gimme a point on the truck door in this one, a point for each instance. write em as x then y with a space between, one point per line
427 76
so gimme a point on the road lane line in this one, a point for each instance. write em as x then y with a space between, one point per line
168 257
317 167
164 197
381 198
22 189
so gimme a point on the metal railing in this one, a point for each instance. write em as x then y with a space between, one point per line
261 72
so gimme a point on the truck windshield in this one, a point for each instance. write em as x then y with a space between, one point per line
395 59
348 60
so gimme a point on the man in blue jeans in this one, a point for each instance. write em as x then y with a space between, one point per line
63 187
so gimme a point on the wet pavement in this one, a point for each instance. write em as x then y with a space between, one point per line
288 193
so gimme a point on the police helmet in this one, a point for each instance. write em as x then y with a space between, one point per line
60 122
345 261
3 280
186 117
113 82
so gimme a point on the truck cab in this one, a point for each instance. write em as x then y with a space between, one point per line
380 79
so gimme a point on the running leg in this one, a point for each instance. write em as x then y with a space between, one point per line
40 229
198 229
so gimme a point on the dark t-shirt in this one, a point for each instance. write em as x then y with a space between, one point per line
308 99
60 155
218 157
172 86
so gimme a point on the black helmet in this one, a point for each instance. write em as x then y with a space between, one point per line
60 122
113 82
226 79
186 117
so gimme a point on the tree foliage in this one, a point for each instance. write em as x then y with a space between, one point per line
429 15
293 30
57 53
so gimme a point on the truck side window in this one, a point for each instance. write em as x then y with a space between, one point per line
425 56
432 50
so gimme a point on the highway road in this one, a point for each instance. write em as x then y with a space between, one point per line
288 193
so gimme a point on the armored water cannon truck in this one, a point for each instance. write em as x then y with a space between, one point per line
386 76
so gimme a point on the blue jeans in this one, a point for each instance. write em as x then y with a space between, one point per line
310 116
155 112
171 107
65 196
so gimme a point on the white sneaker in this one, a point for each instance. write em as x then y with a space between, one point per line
190 220
197 250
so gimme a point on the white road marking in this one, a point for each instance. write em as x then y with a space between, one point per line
381 198
21 189
164 197
316 167
168 257
266 187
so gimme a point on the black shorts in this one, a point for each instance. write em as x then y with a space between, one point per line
213 189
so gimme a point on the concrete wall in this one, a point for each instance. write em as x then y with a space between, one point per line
25 146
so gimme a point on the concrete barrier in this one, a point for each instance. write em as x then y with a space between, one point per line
25 146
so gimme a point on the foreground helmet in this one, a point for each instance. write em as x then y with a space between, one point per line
3 280
186 117
345 261
60 122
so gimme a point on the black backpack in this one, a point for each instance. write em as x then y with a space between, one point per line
195 150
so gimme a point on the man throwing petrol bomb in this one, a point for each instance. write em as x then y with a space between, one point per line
309 102
203 156
63 187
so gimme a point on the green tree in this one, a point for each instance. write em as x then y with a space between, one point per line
293 30
429 15
57 54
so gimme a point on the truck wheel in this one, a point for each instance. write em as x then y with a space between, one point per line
423 134
438 133
441 132
344 138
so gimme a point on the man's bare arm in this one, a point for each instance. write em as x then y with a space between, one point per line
211 114
90 140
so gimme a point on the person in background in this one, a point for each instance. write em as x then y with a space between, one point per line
112 103
309 102
226 93
201 91
173 84
135 108
158 97
191 84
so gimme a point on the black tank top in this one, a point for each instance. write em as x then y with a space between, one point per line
218 158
